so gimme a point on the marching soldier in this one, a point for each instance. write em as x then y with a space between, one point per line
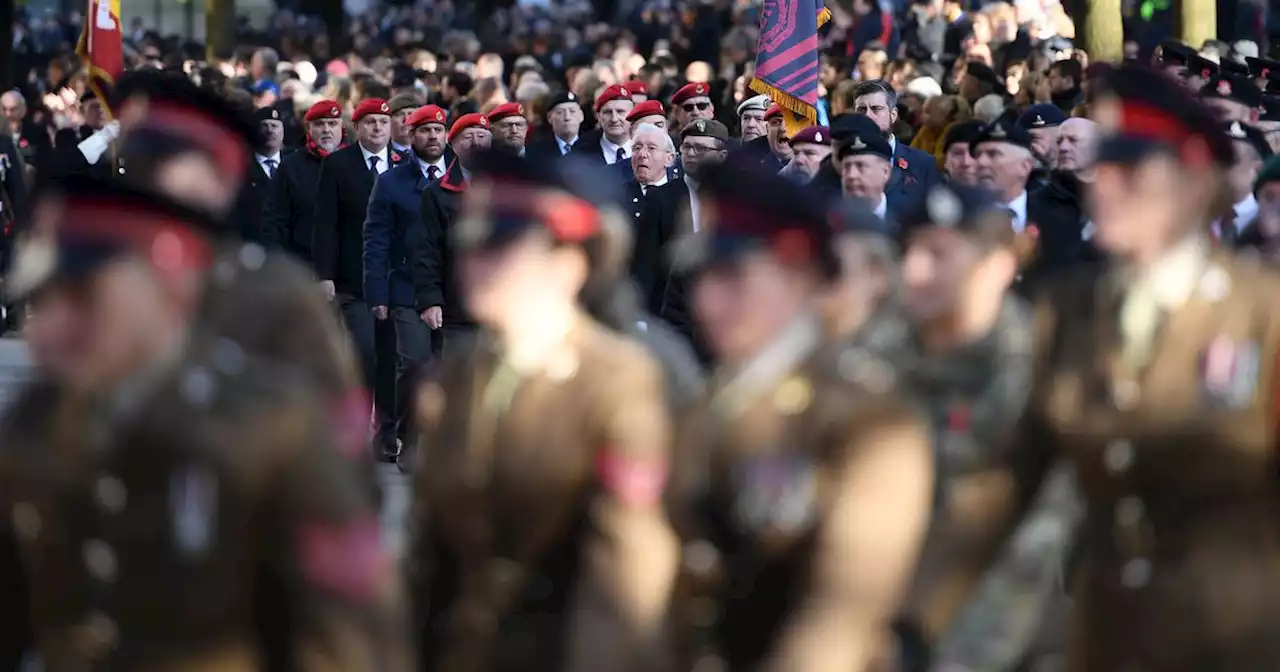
540 537
804 487
861 309
185 471
1156 378
968 359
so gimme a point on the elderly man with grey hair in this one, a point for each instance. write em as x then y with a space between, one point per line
652 208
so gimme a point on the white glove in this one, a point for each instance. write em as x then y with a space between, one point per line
94 146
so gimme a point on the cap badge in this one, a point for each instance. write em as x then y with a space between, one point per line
1224 88
1204 74
944 207
335 112
699 89
1039 121
386 107
702 126
439 115
817 137
571 96
484 121
1237 131
997 131
857 144
275 114
519 109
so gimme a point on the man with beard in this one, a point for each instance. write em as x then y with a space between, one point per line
337 246
912 172
436 296
394 219
1066 84
653 209
751 121
564 114
261 174
611 142
509 126
809 148
286 219
692 102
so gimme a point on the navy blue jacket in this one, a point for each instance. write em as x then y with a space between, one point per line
392 223
909 184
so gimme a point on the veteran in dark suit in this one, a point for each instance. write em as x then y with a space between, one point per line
914 171
804 483
1156 379
337 245
287 215
260 175
610 143
393 224
652 210
552 552
187 470
564 125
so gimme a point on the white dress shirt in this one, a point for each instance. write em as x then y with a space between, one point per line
610 150
439 166
1019 208
262 161
644 188
883 208
693 202
1246 211
566 145
382 159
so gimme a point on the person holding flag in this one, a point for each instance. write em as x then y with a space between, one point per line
787 65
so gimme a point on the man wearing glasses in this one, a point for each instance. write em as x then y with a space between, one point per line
692 102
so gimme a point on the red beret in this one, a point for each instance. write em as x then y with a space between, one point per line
636 87
774 111
691 90
506 110
813 135
646 109
615 92
468 121
370 106
427 114
325 109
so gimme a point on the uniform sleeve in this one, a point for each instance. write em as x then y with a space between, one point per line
275 214
631 560
343 583
426 256
867 544
377 243
15 609
324 223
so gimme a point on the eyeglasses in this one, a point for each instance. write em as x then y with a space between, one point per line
697 150
701 107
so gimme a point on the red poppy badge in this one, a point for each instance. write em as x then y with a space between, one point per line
902 163
395 156
22 142
1033 231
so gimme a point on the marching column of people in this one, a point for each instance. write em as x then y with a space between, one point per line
934 400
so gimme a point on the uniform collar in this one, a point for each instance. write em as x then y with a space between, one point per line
1173 278
742 386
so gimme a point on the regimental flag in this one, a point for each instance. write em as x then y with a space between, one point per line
787 64
100 45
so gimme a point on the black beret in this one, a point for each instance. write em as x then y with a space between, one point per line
965 131
1140 110
1263 68
1173 52
1231 66
861 135
562 98
1201 67
1042 115
982 72
98 220
705 128
1249 135
751 210
1001 130
268 113
1232 87
954 206
561 196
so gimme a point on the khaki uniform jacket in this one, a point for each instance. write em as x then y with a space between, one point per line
802 499
162 517
539 535
1176 458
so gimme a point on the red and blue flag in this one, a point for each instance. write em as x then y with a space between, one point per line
787 65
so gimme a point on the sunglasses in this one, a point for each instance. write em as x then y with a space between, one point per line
701 107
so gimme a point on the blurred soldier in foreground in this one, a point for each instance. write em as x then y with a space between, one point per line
186 468
803 489
540 538
1157 379
861 308
968 359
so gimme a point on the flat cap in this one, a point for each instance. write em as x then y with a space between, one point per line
758 103
1042 115
705 128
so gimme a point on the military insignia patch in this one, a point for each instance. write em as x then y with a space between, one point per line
1229 372
700 89
1224 88
777 493
635 481
997 131
193 503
